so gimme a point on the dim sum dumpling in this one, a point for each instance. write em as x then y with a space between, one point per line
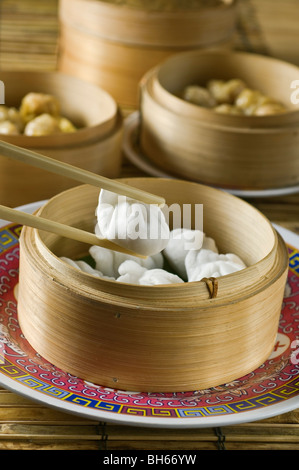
207 263
108 261
85 267
65 125
132 273
8 128
139 227
182 240
34 104
45 124
199 95
225 91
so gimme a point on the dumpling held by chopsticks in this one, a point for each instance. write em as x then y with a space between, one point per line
139 227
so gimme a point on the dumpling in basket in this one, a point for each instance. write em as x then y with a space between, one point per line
181 241
34 104
45 124
141 228
108 261
132 273
206 263
85 267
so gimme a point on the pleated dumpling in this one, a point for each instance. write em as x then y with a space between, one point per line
132 273
108 261
139 227
181 241
207 263
85 267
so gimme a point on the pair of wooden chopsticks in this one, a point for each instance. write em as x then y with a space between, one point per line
78 174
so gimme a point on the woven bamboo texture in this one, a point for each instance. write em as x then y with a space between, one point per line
29 41
28 426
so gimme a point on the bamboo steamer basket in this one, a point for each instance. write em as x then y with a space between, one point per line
95 146
197 67
113 45
176 337
211 152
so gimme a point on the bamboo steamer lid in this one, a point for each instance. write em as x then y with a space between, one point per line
114 43
212 153
153 338
271 76
95 146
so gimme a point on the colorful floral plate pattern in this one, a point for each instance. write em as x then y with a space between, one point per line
270 390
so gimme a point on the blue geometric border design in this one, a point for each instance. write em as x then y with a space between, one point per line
286 391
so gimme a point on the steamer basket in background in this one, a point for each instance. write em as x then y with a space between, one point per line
153 338
229 151
113 45
271 76
95 146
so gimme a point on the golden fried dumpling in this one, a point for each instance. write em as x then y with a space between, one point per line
268 109
35 104
12 115
228 109
65 125
45 124
198 95
225 91
249 100
15 117
3 113
8 128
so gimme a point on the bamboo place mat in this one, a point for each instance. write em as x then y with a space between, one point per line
27 425
29 33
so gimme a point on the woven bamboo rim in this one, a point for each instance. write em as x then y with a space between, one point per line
180 70
169 338
74 96
138 26
215 154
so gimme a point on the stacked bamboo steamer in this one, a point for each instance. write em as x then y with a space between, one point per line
229 151
95 146
153 338
113 43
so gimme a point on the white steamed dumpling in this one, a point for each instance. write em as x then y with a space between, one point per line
108 261
85 267
181 241
139 227
207 263
132 273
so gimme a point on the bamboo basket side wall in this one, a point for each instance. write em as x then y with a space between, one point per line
149 27
216 205
201 355
234 157
113 46
153 338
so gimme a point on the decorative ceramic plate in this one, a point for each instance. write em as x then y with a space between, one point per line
270 390
142 162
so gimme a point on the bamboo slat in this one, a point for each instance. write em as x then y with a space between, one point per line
27 425
29 32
